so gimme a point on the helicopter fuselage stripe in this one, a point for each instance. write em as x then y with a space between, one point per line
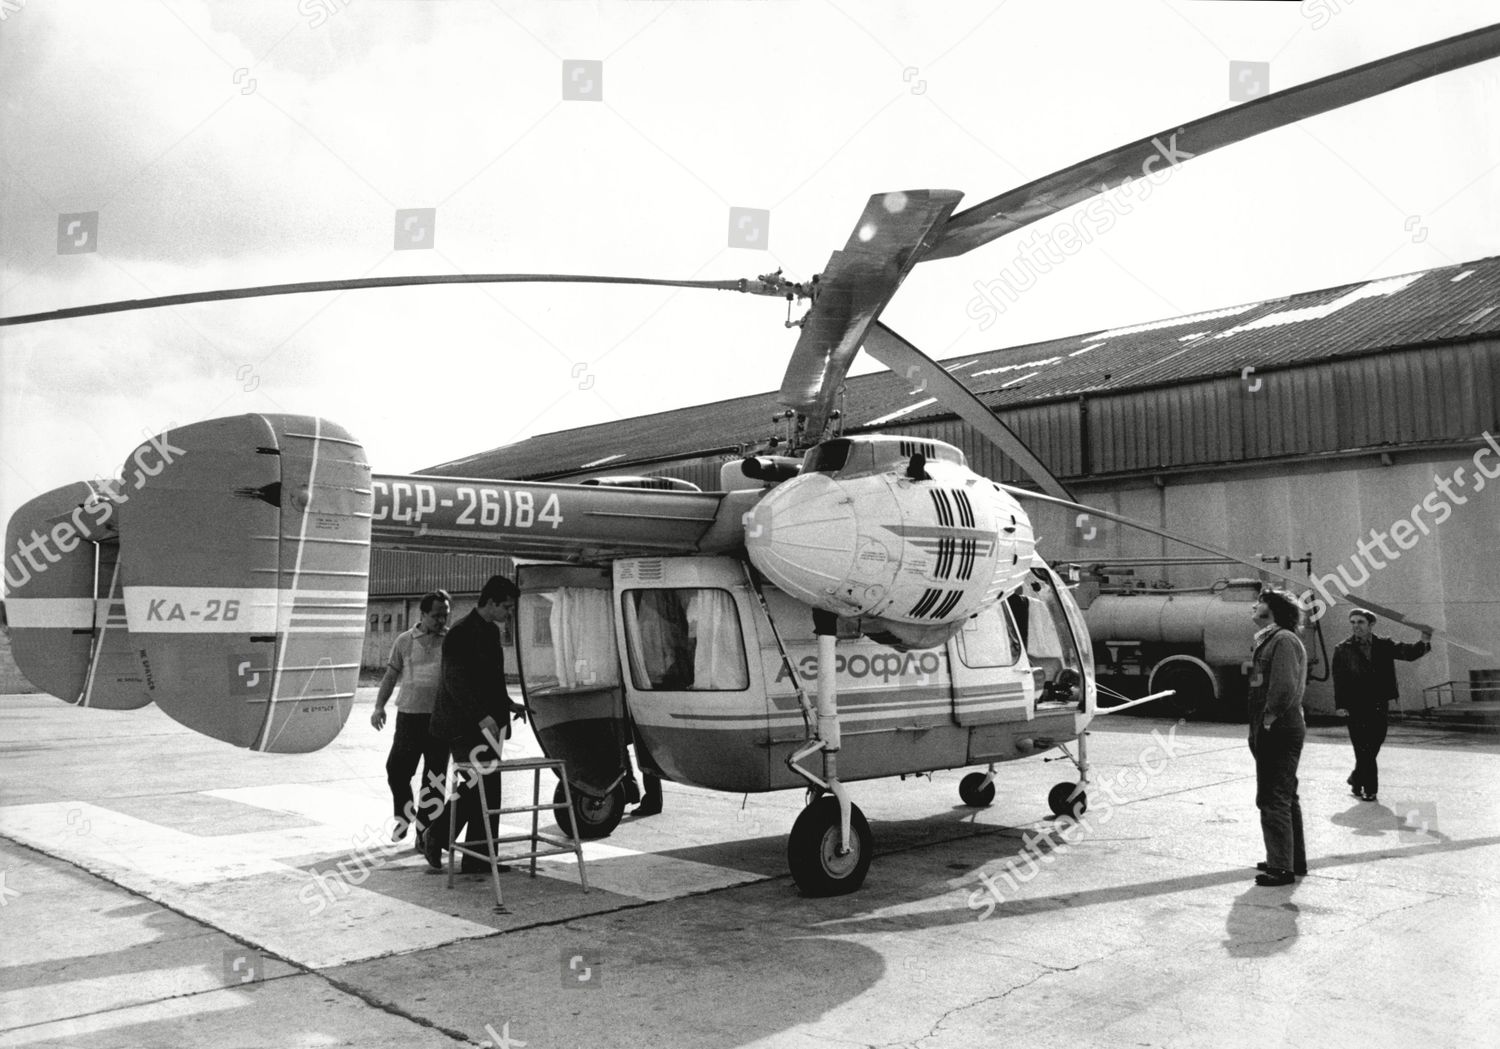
23 613
241 610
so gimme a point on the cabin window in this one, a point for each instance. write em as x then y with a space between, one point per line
1043 623
685 640
566 640
989 639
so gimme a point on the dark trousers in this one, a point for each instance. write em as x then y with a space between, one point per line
473 759
1277 751
411 745
1367 730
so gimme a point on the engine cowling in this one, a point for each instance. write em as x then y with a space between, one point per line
896 533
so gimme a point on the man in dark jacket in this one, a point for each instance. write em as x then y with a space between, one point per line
1364 681
472 710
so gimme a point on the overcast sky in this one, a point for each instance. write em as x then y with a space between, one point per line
235 143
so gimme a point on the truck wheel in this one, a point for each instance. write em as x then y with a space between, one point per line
1195 692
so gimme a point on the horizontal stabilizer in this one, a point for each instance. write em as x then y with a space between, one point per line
245 567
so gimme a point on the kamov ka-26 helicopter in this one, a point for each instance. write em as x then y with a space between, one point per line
880 574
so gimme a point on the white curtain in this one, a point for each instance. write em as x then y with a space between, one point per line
635 640
719 656
583 637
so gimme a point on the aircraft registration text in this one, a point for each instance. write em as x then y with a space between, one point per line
447 505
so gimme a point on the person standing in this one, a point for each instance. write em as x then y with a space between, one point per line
472 710
1278 729
415 663
1364 682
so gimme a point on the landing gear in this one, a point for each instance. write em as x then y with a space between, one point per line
977 789
596 816
812 850
830 846
1071 799
1068 799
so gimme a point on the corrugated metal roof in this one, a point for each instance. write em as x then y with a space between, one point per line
1431 307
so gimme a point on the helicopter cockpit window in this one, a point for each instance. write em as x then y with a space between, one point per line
828 457
1044 628
685 640
566 640
989 639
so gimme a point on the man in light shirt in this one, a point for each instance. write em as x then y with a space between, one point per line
416 664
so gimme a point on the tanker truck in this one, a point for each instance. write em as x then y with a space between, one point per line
1195 641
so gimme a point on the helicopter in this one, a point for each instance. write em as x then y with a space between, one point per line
866 606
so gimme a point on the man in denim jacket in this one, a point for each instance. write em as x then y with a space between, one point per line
1278 677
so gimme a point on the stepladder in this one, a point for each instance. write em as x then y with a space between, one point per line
484 777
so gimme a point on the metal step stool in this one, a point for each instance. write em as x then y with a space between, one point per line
556 845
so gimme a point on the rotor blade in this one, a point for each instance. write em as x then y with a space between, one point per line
760 287
905 359
853 288
1391 614
1048 195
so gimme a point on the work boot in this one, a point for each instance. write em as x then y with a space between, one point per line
432 851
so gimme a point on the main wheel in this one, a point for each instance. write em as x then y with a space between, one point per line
1063 802
596 816
973 790
812 850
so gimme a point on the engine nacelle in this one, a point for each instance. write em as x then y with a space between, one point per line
899 534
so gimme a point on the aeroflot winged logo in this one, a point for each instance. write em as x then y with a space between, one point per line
954 551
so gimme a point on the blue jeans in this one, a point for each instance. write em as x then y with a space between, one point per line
1277 751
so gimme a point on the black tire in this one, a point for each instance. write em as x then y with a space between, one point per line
597 817
811 850
972 790
1195 692
1062 801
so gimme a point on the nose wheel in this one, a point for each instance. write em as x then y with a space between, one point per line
812 850
1068 799
977 789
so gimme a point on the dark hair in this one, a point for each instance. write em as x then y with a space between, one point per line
498 589
428 600
1283 607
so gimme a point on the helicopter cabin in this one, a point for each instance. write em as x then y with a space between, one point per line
714 677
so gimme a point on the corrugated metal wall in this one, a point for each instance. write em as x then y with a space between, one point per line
414 573
1443 393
